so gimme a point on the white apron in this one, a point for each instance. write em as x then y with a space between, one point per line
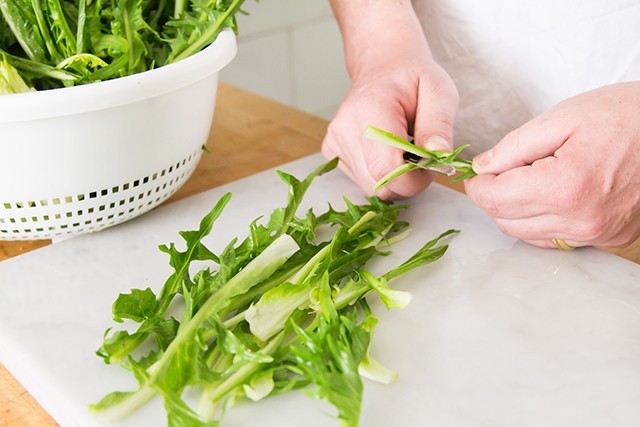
513 60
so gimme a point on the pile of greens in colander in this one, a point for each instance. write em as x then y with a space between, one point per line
55 43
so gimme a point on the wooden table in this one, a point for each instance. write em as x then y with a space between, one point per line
249 134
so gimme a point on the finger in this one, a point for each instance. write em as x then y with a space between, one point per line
522 192
546 243
544 228
536 228
378 164
537 139
352 166
435 116
328 152
367 186
332 149
380 159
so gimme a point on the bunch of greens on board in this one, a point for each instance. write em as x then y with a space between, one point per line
55 43
428 159
280 310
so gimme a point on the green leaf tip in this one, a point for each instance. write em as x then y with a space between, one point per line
428 159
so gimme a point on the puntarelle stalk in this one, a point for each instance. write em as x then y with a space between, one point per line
259 269
428 158
258 324
265 320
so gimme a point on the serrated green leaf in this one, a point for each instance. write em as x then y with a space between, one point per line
307 298
297 190
137 305
428 158
425 255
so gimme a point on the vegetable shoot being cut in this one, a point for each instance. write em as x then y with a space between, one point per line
280 310
426 159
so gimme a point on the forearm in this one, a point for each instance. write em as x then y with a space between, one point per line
373 29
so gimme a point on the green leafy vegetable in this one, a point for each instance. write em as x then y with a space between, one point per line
428 159
10 80
280 310
89 41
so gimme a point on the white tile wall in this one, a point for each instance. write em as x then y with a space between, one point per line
267 15
290 51
321 80
262 66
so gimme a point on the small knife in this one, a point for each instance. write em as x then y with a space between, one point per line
415 159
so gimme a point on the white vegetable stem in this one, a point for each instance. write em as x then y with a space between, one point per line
258 270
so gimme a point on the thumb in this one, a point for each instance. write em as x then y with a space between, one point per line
535 140
435 116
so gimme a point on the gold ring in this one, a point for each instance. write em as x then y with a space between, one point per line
562 245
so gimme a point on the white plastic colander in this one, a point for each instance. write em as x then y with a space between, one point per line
79 159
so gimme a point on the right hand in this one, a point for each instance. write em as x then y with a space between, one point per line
398 87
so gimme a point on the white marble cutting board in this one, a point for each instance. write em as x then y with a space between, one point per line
498 333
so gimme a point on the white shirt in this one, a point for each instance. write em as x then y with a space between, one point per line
513 60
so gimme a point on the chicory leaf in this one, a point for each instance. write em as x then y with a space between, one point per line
10 79
138 305
128 36
428 158
284 310
259 386
391 298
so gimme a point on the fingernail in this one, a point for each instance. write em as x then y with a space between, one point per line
482 161
437 143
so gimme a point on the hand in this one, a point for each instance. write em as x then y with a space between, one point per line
396 86
572 173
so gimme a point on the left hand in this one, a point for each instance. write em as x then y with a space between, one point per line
572 173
